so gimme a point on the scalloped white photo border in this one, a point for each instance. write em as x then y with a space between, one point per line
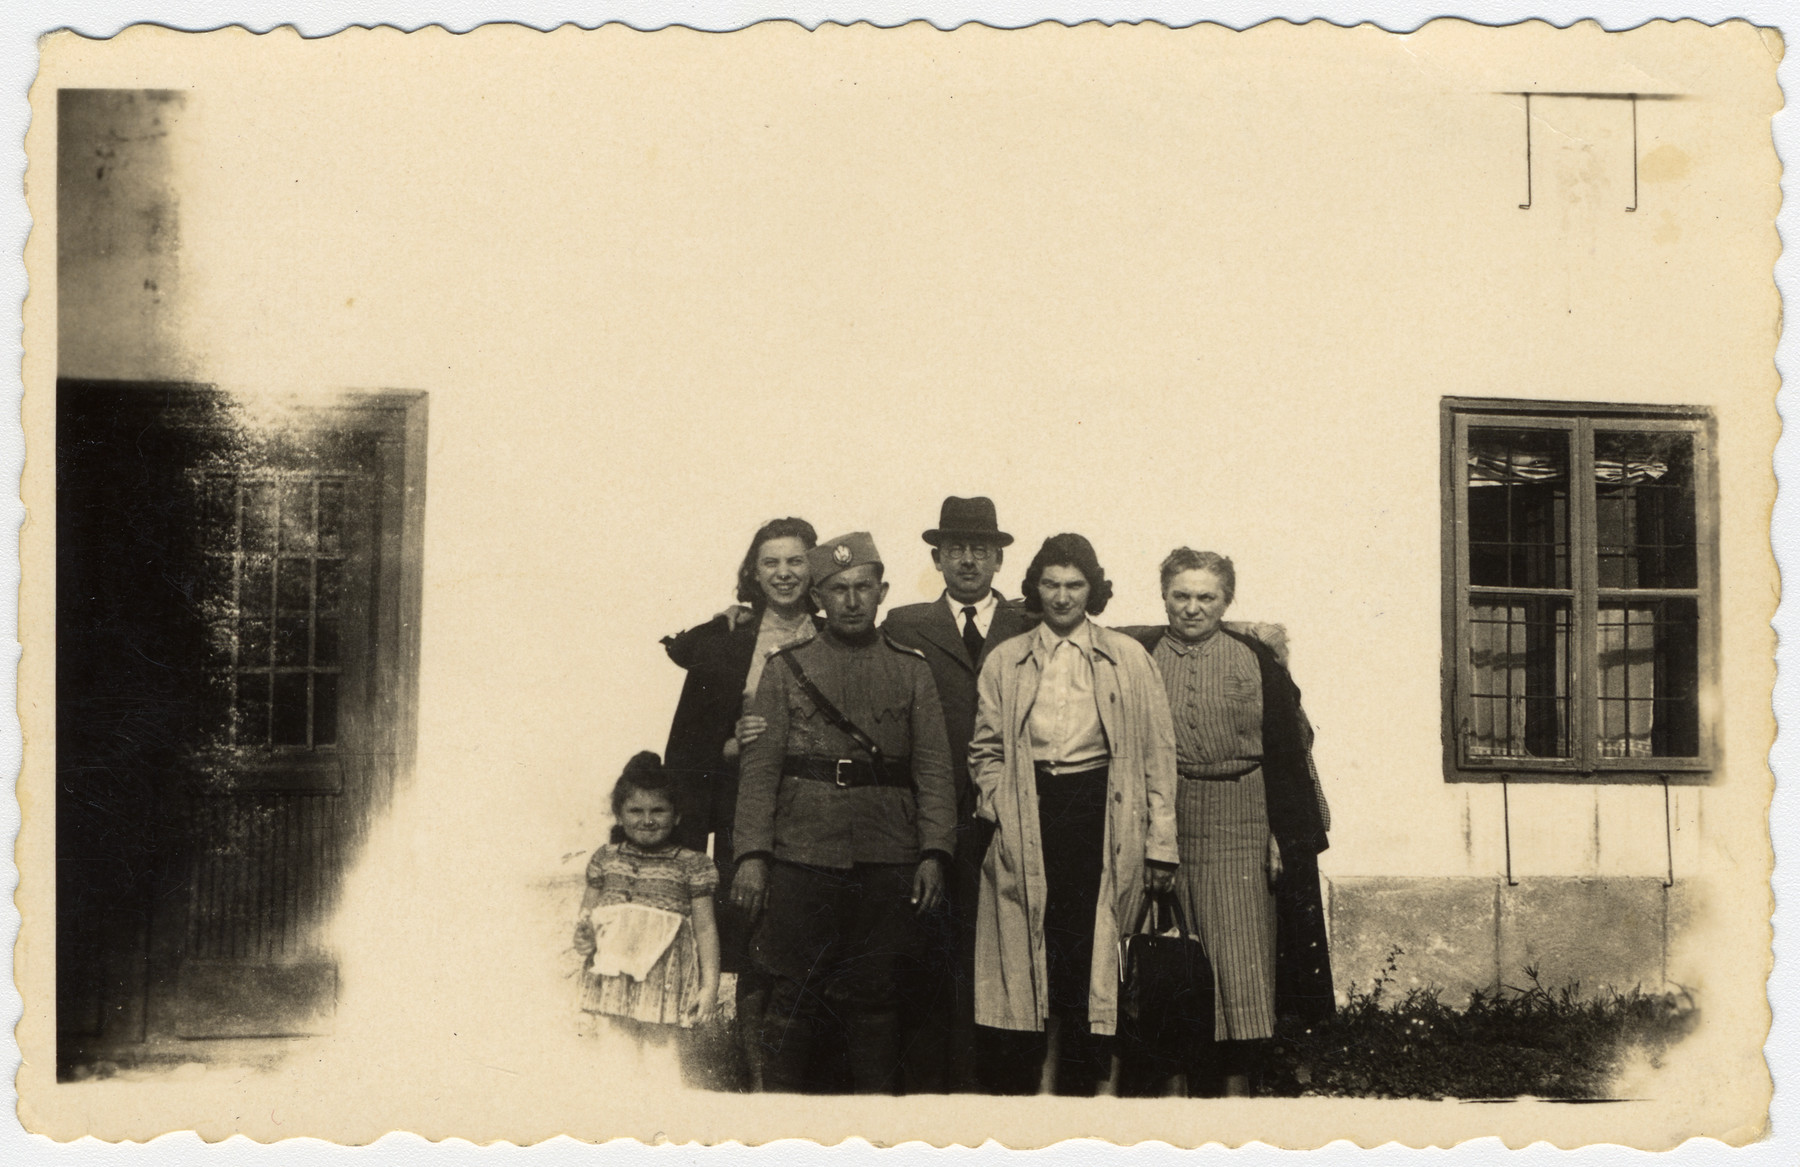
25 20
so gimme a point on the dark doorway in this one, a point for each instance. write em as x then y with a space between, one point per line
237 659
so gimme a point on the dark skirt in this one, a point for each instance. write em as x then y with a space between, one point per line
1072 824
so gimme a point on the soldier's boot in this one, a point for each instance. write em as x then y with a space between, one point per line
874 1043
752 1003
786 1040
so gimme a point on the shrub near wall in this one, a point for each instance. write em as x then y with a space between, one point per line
1518 1041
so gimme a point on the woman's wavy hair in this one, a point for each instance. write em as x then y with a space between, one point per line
1187 559
643 773
748 592
1074 551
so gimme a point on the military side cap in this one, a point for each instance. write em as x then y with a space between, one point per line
841 554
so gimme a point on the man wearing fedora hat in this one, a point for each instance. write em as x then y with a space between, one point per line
955 633
846 819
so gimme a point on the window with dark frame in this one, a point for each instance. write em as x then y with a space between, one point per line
1580 591
275 563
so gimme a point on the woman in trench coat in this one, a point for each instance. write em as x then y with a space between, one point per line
1036 865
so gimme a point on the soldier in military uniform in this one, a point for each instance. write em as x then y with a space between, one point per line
846 822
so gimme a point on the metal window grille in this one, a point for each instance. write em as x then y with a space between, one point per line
1581 591
275 552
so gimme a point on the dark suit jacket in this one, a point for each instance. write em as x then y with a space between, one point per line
933 631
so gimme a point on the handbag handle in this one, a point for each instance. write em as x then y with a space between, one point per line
1181 924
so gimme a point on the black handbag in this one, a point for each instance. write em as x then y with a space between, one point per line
1165 982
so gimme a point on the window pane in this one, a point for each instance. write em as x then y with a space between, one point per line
253 709
1519 663
294 585
288 720
325 709
290 640
1649 679
331 518
294 588
1518 508
256 588
1644 509
331 577
297 516
325 643
253 644
259 516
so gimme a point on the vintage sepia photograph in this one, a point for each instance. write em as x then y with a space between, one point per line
1100 581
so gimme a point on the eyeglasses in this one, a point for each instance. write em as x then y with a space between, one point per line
979 552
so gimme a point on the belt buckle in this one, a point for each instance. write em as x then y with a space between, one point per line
837 773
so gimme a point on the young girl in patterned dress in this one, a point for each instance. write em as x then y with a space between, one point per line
644 868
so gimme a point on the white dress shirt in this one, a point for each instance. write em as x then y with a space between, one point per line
984 611
1064 724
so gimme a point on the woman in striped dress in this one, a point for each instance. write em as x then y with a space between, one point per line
1250 815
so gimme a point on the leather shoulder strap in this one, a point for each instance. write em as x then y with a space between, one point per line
830 712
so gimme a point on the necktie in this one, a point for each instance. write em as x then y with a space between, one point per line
972 638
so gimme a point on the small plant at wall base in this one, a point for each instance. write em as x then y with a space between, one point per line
1529 1040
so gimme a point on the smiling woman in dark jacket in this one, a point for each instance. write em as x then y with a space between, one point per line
724 660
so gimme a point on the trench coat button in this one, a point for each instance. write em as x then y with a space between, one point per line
1118 796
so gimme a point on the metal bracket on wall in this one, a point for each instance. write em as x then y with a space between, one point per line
1526 205
1506 823
1634 155
1668 833
1633 98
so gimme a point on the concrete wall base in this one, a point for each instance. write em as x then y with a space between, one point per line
1461 934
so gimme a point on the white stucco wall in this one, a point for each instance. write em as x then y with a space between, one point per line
841 287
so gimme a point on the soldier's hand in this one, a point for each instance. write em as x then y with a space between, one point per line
1158 880
928 884
750 886
750 727
1274 861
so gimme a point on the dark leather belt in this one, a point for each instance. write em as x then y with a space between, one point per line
849 772
1043 770
1232 777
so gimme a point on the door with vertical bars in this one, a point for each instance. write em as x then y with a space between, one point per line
292 739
